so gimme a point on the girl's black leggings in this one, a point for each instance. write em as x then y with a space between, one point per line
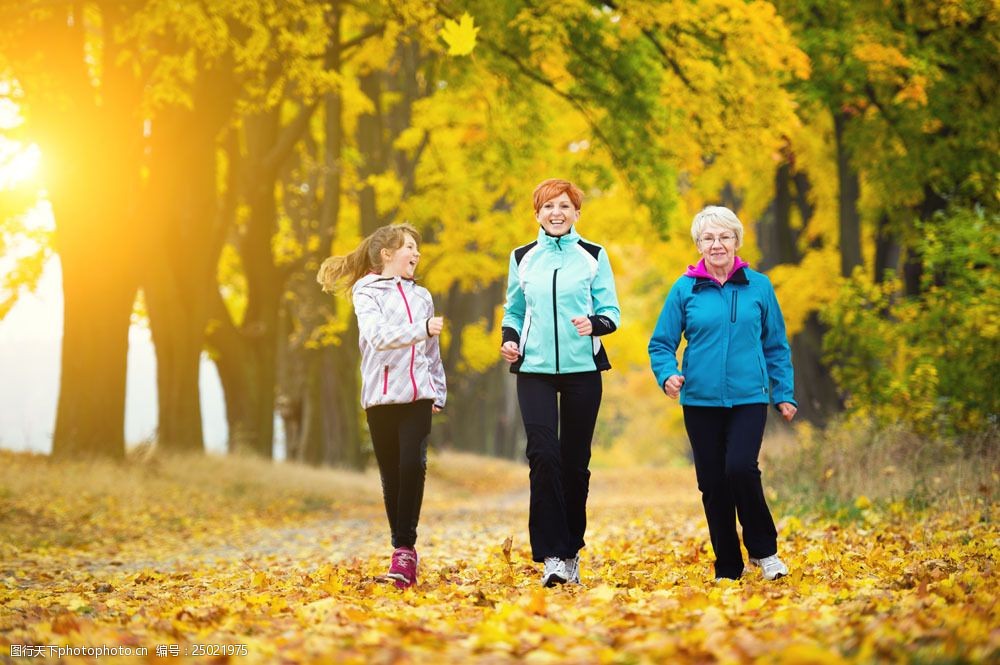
726 442
559 413
399 437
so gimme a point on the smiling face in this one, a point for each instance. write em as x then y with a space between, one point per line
558 215
717 245
403 261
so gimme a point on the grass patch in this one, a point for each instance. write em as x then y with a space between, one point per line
839 471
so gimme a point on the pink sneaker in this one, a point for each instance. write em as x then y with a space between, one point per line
404 567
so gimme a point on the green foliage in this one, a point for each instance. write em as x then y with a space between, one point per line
929 362
272 49
915 84
667 89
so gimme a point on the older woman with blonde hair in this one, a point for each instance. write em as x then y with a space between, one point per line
736 362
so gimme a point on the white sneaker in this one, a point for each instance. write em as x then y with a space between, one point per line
555 572
772 566
573 569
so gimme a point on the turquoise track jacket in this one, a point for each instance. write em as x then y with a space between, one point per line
551 281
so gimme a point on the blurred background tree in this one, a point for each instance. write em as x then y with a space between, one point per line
203 158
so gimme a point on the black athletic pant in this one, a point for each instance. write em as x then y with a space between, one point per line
399 437
560 430
726 442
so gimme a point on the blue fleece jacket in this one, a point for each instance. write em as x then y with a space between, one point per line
737 351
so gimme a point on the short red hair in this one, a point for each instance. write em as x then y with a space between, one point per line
553 187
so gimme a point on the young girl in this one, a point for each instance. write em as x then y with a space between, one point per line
402 378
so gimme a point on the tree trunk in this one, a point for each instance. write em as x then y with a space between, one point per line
509 437
92 178
887 249
249 355
849 192
775 236
182 257
370 139
474 396
321 381
815 390
814 387
339 377
97 307
913 262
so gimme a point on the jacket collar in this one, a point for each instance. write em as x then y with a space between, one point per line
375 279
560 242
703 278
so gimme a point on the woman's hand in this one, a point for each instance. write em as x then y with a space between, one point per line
436 409
509 352
787 410
672 386
435 325
583 325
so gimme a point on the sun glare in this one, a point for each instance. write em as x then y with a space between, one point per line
19 164
10 114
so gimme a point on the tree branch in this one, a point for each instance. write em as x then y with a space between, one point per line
671 63
288 137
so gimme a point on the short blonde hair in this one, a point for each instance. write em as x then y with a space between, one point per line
721 216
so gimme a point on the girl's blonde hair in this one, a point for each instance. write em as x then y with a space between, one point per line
338 273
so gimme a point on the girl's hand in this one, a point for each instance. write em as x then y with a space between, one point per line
583 325
672 386
435 325
787 410
509 352
436 409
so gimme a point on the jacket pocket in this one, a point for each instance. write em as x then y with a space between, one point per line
763 373
385 380
524 333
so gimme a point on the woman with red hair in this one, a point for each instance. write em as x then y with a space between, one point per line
560 301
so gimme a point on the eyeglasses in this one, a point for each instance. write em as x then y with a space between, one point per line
725 239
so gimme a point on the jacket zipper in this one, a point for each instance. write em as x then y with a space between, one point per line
385 381
555 317
413 349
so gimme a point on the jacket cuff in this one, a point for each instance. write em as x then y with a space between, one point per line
427 328
602 325
790 400
510 335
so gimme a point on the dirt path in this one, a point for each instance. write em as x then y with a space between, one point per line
616 496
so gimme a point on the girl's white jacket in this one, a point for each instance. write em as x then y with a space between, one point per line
400 360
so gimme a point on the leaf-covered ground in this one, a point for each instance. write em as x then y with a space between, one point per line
279 563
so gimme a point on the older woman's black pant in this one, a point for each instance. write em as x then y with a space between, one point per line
559 413
399 437
726 442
